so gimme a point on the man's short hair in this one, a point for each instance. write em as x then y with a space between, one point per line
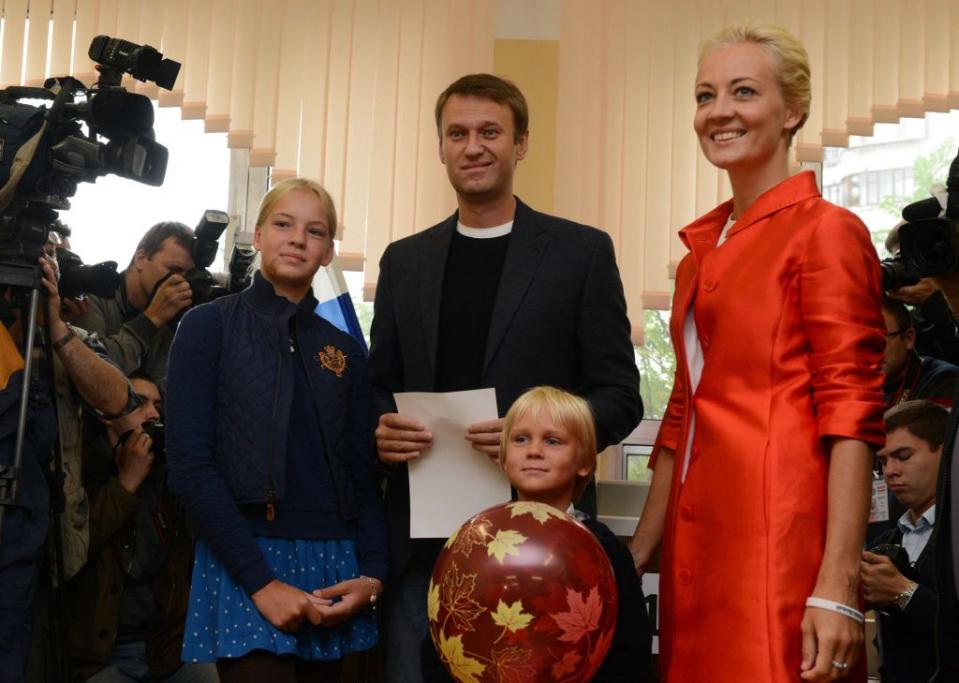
153 239
898 311
489 87
924 419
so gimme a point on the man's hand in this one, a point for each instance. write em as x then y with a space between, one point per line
171 297
485 437
948 284
74 309
57 327
914 295
285 606
134 460
400 438
881 581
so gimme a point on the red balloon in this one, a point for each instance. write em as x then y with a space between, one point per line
520 593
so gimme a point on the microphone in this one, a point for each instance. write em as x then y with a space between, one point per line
924 208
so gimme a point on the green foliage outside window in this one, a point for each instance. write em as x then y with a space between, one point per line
657 364
927 170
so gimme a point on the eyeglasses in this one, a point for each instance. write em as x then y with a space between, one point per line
890 335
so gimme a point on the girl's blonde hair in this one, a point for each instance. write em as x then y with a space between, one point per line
789 57
284 187
571 412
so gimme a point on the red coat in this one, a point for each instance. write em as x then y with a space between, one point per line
788 316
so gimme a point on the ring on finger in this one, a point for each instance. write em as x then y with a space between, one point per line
842 666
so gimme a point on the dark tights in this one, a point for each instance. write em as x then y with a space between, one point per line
259 666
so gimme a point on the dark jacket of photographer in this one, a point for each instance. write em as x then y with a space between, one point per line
907 636
132 341
943 537
229 433
94 597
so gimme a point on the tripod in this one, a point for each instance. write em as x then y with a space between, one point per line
26 285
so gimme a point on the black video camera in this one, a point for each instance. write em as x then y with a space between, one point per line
47 152
929 238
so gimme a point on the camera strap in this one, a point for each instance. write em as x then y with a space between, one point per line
21 161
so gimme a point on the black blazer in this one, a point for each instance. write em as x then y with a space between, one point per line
944 538
559 319
908 637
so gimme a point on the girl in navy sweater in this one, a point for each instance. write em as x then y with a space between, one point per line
268 447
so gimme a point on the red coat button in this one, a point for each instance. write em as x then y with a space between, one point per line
685 577
686 513
709 285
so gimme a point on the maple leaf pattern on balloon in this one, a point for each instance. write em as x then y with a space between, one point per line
566 665
456 595
512 665
541 512
464 669
511 616
582 617
505 543
474 533
452 539
433 601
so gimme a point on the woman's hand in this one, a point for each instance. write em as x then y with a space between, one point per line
652 522
354 594
828 639
285 606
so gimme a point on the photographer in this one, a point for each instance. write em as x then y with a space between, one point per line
936 326
133 324
897 576
129 602
908 376
25 522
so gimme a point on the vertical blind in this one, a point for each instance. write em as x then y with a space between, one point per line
627 158
343 91
338 90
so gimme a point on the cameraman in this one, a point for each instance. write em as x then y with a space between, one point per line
904 592
25 522
129 602
937 331
908 376
133 324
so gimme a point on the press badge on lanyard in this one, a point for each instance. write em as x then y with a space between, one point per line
879 506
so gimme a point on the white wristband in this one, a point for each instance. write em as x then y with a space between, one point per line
838 607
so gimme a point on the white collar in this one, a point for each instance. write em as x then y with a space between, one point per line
905 522
484 233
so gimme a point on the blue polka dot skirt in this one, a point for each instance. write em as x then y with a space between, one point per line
223 622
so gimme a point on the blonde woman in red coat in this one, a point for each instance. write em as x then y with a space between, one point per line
762 465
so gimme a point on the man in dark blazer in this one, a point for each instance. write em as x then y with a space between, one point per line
497 295
946 537
903 590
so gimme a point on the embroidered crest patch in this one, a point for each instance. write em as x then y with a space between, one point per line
332 359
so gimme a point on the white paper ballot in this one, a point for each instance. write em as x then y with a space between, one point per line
450 482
